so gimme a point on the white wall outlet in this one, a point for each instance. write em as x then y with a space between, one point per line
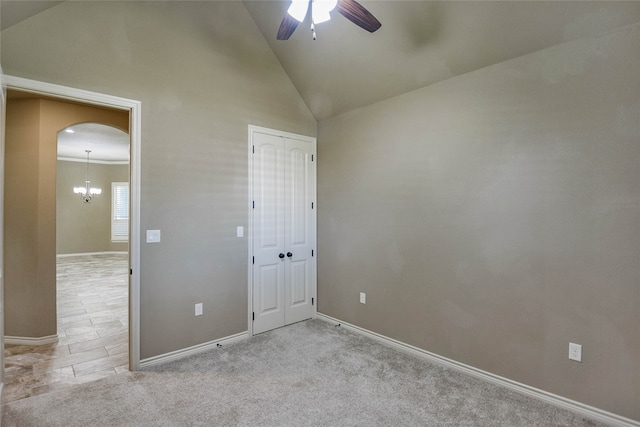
363 298
199 309
240 231
153 236
575 352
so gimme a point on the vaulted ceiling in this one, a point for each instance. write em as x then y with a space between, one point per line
420 42
423 42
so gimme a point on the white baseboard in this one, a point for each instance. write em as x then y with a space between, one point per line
553 399
180 354
51 339
93 253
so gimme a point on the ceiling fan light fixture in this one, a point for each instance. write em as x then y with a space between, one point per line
298 9
320 16
322 9
321 12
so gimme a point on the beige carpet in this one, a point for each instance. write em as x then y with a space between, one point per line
307 374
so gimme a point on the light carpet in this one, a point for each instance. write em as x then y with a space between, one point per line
307 374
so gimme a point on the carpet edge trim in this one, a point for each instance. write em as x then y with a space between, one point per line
199 348
553 399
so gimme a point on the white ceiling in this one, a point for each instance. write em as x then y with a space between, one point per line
420 42
107 144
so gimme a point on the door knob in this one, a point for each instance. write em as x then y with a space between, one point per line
289 254
281 256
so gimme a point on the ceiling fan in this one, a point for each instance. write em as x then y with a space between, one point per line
320 12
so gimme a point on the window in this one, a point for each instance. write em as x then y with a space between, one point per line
119 211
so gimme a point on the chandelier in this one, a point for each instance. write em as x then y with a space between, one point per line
87 193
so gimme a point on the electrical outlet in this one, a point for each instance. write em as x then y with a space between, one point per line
363 298
199 309
575 352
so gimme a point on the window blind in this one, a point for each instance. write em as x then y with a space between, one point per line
119 211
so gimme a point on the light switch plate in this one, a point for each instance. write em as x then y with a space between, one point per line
153 236
240 231
199 309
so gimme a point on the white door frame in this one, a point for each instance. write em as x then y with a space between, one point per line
134 107
257 129
3 101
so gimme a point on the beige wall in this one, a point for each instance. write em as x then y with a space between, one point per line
86 227
495 217
202 80
30 207
29 274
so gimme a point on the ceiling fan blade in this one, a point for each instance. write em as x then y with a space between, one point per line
356 13
287 27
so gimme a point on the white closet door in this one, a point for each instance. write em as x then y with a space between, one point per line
268 233
299 230
283 215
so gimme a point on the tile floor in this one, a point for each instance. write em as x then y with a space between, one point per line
92 293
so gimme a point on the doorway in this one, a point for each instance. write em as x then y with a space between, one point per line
92 208
282 246
132 110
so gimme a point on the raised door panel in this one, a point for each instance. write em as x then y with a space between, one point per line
299 283
268 293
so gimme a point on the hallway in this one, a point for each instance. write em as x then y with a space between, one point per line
92 304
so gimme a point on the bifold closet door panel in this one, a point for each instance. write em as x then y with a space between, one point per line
299 229
268 232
